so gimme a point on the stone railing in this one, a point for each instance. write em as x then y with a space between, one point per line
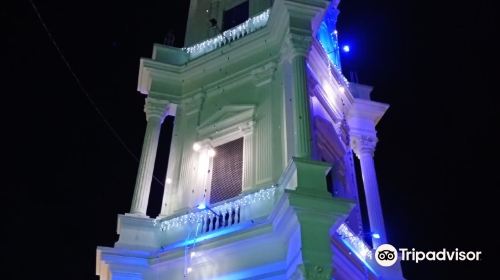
335 71
250 25
229 215
354 242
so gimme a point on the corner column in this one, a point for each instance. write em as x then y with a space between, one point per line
156 110
362 118
364 147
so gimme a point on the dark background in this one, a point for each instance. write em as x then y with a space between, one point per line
65 176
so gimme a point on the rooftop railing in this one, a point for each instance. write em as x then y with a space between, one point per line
250 25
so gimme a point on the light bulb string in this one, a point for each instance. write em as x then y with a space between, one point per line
189 248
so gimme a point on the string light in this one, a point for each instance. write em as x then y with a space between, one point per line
201 214
356 243
202 206
338 73
239 31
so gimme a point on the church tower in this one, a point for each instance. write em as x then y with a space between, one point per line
260 181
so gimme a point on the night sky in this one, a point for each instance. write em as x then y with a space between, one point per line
66 176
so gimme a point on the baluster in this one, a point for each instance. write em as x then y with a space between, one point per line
239 211
221 219
214 222
226 218
207 229
233 213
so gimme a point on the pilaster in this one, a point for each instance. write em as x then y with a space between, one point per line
296 52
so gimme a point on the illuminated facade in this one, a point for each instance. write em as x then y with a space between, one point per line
260 181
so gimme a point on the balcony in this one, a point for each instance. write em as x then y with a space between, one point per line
196 225
288 224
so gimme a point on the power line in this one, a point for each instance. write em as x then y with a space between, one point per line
85 92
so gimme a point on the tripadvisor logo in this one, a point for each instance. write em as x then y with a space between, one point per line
387 255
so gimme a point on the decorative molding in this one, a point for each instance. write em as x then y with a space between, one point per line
362 119
367 110
158 109
264 75
343 131
363 144
229 119
305 15
300 44
192 104
295 45
144 80
306 176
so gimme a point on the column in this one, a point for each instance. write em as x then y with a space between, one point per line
172 176
299 46
364 147
156 111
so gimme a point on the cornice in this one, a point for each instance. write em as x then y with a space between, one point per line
367 110
267 41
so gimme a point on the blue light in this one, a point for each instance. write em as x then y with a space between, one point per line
362 259
202 206
206 236
327 34
376 235
346 48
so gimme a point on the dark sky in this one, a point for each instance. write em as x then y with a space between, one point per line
66 176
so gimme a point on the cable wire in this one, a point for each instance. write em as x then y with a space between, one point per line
85 92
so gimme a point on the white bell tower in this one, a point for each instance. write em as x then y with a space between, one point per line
260 181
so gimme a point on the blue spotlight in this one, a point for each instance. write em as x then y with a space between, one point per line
346 48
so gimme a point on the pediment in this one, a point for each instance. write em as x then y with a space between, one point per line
226 118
